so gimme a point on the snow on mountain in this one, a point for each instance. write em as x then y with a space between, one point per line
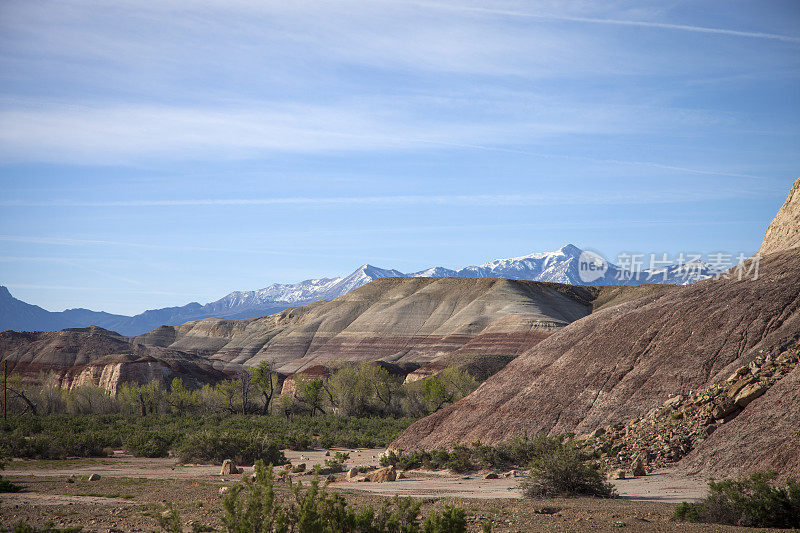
560 266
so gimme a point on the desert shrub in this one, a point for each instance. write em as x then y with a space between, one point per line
565 471
253 507
55 446
403 461
148 444
49 527
519 451
7 486
460 460
336 464
297 441
247 448
751 502
451 520
326 441
169 519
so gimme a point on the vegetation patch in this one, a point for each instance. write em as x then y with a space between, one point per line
565 471
750 502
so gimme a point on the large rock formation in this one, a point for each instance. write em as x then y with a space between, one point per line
405 321
621 362
100 357
784 231
399 320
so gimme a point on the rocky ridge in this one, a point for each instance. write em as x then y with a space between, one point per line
668 433
783 232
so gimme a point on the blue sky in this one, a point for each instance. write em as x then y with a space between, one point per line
155 153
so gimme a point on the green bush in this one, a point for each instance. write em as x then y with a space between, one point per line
7 486
336 463
750 502
148 444
253 507
246 448
460 460
49 527
451 520
55 445
565 471
516 452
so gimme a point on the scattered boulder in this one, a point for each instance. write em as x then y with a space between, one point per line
617 474
382 474
352 474
299 468
331 478
490 475
94 477
401 475
723 407
749 393
229 468
638 469
673 402
224 490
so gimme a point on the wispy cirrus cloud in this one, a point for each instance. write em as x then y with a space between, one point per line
573 198
607 21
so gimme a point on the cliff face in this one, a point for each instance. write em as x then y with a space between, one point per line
784 231
401 320
103 358
623 361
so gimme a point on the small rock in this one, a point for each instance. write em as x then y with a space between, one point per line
617 474
224 490
94 477
229 468
401 475
352 474
674 401
490 475
327 454
331 478
300 467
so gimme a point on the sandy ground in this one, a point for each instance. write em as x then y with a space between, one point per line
132 491
662 486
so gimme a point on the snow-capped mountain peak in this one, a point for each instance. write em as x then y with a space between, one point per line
560 266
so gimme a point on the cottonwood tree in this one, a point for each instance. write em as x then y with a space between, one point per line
448 386
309 392
144 398
245 386
265 379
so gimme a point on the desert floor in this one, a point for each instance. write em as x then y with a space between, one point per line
132 491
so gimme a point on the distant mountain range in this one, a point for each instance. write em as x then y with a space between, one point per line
561 266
